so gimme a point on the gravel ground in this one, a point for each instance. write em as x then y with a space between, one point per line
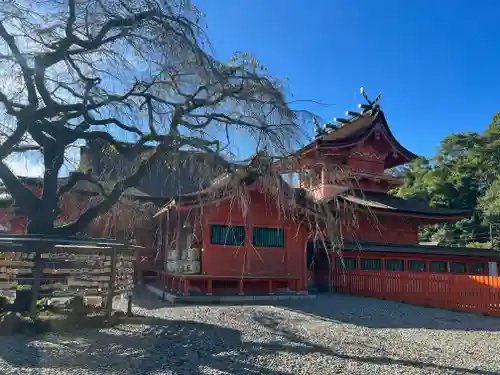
330 335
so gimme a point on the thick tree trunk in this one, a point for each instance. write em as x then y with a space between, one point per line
24 296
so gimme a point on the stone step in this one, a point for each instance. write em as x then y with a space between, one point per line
217 299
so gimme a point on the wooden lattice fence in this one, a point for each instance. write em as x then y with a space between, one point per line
66 267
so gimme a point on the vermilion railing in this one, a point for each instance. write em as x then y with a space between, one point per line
180 283
462 292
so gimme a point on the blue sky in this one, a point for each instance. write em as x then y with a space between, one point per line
437 63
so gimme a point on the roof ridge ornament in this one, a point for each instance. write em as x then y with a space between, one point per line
372 108
318 129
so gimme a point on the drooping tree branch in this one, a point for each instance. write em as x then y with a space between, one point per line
110 71
76 177
112 198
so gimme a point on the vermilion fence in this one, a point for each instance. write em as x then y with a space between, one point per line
462 292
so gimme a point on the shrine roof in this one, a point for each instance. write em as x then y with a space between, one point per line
184 172
346 133
385 202
419 249
356 130
243 176
80 186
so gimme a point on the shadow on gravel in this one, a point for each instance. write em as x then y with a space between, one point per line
376 313
152 345
296 344
156 345
146 300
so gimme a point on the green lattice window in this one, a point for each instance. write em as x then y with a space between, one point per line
371 264
416 265
345 263
437 266
458 267
227 235
477 268
268 237
394 265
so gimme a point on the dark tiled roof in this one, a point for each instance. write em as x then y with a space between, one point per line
351 131
420 249
376 201
387 202
81 186
169 177
357 129
243 176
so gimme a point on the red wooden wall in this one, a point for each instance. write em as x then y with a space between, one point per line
367 156
71 207
247 259
385 229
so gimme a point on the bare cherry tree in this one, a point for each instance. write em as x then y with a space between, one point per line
138 71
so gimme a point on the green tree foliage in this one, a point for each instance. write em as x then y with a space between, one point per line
463 174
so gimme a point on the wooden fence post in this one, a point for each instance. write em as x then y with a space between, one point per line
129 304
111 288
130 292
35 287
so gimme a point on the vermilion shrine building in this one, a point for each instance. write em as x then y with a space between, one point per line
257 230
253 244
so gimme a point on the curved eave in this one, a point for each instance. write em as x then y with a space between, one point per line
403 151
384 204
365 131
378 247
431 218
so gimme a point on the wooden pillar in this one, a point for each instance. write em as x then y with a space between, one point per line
178 238
111 288
129 304
185 287
240 287
209 287
270 287
163 242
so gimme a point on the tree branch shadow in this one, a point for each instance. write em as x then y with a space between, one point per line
377 313
176 346
298 345
152 345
